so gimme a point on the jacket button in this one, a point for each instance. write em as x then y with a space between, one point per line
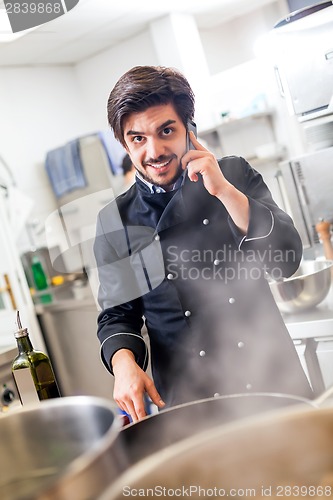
205 222
240 344
202 354
216 395
187 313
157 237
216 262
249 386
170 276
232 300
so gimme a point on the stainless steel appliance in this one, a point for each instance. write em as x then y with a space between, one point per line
58 449
303 51
286 453
306 188
8 394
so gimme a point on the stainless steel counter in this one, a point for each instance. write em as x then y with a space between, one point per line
312 323
312 332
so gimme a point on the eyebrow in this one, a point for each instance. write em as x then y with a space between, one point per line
161 127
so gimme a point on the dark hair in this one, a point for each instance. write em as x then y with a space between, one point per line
126 164
144 86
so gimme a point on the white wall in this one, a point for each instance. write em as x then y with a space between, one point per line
232 43
40 110
97 75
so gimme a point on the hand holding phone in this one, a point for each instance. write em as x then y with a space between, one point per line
190 126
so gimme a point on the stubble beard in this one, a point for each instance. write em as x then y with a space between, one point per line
159 183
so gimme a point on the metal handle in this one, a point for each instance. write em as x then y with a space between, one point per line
279 81
303 195
8 288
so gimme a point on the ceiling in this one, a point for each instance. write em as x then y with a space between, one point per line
96 25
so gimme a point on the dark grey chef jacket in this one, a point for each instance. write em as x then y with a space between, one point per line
176 261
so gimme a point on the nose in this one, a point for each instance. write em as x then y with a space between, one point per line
155 148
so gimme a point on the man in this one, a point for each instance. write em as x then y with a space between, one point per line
186 250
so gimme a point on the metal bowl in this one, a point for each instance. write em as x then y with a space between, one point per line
58 449
304 289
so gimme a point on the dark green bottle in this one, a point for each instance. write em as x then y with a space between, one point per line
38 273
40 280
32 370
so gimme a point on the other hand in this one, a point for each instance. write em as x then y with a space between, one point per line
131 383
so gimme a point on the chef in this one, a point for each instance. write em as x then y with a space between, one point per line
186 251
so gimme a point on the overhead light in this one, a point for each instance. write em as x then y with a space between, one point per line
6 34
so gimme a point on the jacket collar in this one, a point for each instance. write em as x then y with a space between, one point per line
174 212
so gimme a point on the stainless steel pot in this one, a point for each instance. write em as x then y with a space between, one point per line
59 449
156 432
288 453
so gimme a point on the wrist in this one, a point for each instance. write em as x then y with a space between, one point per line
120 357
226 192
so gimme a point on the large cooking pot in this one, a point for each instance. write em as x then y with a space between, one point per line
287 453
154 433
59 449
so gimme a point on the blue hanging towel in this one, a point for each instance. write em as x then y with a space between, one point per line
113 149
64 168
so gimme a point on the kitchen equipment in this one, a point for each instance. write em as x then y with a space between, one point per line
323 229
156 432
303 52
304 289
286 453
306 188
58 449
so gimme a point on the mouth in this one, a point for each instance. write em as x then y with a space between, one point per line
159 166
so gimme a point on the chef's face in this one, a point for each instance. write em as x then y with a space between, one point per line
156 141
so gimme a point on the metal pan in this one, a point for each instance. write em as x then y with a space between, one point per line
154 433
286 454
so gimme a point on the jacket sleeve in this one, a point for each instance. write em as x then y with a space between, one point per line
271 233
119 324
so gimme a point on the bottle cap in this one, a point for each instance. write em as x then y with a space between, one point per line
21 332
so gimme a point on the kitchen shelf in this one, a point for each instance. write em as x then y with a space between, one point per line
241 136
246 120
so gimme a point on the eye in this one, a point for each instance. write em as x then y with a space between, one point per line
137 138
167 131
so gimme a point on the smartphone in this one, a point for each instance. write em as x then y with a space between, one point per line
190 126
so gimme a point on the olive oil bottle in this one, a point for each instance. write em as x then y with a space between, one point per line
32 370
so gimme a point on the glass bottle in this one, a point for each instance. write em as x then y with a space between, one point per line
40 279
32 370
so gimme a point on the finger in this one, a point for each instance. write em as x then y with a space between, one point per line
196 143
121 406
127 406
139 409
193 176
119 401
189 156
154 395
131 410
